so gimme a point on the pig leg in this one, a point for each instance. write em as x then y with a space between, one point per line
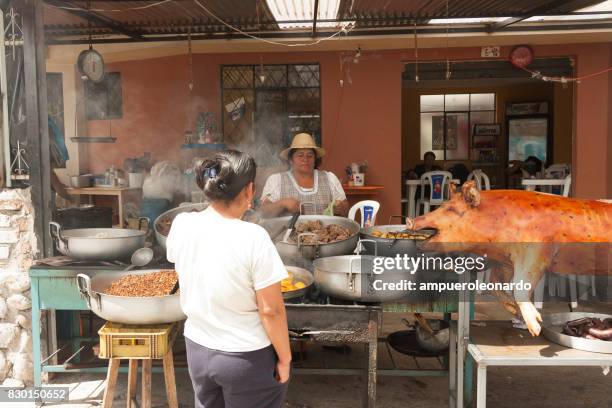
530 261
503 274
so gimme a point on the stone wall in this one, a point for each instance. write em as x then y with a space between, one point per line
17 251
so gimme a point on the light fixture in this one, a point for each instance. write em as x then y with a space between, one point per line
262 73
357 56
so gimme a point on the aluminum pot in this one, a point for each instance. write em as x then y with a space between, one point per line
169 216
97 244
352 277
289 252
128 310
373 245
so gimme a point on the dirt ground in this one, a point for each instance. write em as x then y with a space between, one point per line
508 387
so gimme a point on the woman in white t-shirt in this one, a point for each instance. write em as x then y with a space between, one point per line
229 273
303 184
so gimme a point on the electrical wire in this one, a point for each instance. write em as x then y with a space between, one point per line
345 29
159 3
562 79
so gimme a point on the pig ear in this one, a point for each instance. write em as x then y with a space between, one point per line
471 195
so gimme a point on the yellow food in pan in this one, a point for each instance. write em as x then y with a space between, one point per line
290 284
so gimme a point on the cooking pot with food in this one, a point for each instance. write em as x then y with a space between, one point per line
128 309
164 221
391 240
97 244
314 236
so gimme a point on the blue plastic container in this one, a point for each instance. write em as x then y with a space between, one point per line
153 208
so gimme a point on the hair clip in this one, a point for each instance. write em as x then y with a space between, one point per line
210 172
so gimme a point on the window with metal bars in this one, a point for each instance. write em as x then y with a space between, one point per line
264 106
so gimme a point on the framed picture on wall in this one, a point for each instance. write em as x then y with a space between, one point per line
487 129
526 108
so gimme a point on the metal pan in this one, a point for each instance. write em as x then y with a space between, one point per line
390 246
301 275
552 326
125 309
97 244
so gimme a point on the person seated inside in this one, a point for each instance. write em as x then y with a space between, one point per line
303 185
429 164
518 170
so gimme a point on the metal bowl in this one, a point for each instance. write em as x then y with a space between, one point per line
301 275
125 309
552 326
171 214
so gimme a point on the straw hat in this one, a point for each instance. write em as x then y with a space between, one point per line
303 141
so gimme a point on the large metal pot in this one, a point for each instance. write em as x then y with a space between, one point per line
170 215
97 244
352 277
128 310
373 245
289 252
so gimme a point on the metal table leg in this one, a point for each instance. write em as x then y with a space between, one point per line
36 353
481 387
452 366
372 363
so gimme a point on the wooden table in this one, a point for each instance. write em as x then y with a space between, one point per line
362 190
411 194
499 344
119 192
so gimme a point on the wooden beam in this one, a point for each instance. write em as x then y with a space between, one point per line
314 17
37 139
96 18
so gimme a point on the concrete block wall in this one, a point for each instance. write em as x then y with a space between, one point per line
17 251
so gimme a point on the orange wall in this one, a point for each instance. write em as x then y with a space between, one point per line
359 121
355 117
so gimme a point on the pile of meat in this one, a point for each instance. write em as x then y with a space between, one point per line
589 328
148 285
164 224
325 234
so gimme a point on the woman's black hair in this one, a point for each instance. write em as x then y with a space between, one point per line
318 159
223 176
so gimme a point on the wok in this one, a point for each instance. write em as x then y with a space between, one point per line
170 215
300 275
124 309
352 277
289 251
373 245
97 244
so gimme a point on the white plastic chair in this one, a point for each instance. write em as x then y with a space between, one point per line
368 210
438 182
481 179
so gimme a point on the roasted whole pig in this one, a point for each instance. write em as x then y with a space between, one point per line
527 233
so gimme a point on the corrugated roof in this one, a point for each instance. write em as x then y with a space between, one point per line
178 17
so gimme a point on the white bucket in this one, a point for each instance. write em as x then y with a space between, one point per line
135 179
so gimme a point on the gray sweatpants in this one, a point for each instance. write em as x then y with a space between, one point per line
234 380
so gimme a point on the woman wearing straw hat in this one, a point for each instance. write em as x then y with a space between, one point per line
320 192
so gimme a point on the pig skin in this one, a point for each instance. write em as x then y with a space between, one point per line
477 221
